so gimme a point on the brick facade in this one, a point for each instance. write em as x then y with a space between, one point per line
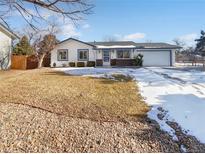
116 62
99 62
122 62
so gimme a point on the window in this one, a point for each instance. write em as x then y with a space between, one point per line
123 53
83 54
62 54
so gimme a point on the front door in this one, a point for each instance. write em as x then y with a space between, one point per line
106 57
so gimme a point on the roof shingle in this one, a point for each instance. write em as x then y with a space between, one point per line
127 44
137 45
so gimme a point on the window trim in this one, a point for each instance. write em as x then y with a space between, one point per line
66 55
79 50
129 50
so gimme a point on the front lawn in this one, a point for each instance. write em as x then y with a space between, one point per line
47 111
74 96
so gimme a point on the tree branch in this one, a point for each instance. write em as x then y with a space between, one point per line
31 10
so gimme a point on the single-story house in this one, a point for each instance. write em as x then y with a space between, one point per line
118 53
6 40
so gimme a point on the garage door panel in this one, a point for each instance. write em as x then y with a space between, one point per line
156 58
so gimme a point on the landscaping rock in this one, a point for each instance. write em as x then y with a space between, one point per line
27 129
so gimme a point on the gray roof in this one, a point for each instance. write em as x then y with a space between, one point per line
128 43
138 45
121 43
157 46
75 40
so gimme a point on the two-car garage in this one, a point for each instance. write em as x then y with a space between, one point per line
157 57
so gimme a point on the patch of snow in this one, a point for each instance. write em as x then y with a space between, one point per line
192 76
183 101
94 72
183 148
188 64
152 114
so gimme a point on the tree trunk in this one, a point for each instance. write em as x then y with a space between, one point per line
40 62
203 61
4 62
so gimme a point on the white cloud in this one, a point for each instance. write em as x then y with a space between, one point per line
86 26
129 37
189 39
47 14
66 28
134 36
69 30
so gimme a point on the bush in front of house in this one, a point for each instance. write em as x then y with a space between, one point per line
80 64
64 65
54 64
72 64
138 60
91 64
113 62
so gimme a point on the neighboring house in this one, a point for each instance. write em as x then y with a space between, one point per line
119 53
6 39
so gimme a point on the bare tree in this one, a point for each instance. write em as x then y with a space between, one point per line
148 41
36 11
36 36
180 43
109 38
45 46
4 61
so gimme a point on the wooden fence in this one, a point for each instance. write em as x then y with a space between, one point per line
24 62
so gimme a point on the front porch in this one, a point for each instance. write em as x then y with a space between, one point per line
115 57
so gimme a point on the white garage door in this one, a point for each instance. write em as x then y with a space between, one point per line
156 58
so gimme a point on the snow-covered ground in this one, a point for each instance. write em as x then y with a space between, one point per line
180 93
188 64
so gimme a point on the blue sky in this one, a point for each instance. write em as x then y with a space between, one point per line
140 21
158 20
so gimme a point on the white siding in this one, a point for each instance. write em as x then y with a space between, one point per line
113 54
72 47
5 48
157 57
173 57
152 57
99 54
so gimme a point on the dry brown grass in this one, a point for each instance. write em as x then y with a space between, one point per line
4 74
75 96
